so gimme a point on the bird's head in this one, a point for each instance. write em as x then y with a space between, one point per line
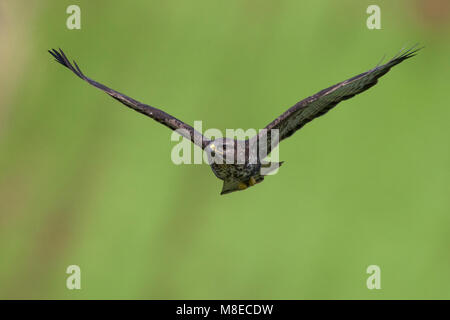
221 151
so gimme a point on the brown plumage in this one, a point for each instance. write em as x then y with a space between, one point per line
238 176
320 103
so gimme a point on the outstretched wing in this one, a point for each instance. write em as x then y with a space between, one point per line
320 103
166 119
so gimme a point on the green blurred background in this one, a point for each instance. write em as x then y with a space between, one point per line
86 181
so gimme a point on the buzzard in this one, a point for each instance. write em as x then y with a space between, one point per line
240 163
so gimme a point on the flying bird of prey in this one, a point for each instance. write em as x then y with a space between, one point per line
238 175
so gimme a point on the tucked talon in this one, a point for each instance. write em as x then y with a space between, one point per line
252 181
242 186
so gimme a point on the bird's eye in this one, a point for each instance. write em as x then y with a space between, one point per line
213 154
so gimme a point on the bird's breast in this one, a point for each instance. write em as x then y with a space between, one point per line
226 171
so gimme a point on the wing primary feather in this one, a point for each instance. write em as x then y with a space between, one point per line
152 112
382 58
320 103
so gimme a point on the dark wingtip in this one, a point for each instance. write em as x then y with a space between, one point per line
406 54
62 59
